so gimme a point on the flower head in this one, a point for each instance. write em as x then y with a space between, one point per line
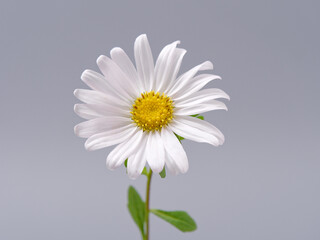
140 108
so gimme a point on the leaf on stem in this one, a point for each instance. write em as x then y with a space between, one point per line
198 116
163 173
136 208
179 137
145 172
179 219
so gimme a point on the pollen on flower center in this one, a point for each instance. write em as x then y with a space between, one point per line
152 111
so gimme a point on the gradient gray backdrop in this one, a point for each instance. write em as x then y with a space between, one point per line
262 184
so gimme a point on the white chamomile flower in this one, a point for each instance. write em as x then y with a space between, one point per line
140 108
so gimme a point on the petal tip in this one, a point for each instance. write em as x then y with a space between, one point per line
84 74
109 165
221 140
140 39
157 169
100 59
115 50
184 169
207 65
143 35
76 130
177 42
133 176
88 146
76 107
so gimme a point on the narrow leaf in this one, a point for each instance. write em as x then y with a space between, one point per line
144 171
163 173
136 208
179 137
179 219
126 162
198 116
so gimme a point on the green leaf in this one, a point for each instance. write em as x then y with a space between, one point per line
179 137
136 208
179 219
144 171
163 173
126 162
198 116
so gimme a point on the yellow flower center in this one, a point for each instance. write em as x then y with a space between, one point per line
152 111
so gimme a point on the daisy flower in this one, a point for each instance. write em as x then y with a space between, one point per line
141 108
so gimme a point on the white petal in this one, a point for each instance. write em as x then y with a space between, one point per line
123 61
95 81
185 78
178 160
190 109
197 130
194 85
121 152
95 97
155 152
137 162
168 65
109 138
86 112
201 97
90 111
88 128
90 96
117 78
144 62
171 165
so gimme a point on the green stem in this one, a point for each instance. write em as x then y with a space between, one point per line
146 237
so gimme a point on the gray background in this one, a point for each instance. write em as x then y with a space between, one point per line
263 183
